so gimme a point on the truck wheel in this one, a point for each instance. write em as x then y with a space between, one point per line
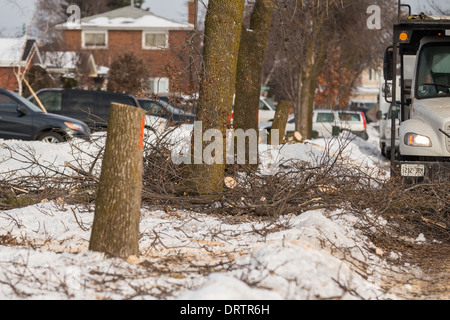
51 137
383 150
388 153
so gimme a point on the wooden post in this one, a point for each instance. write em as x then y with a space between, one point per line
280 119
117 208
34 95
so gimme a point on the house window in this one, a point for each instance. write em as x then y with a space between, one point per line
155 40
159 85
97 39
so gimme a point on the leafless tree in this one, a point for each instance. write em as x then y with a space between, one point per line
303 35
436 8
21 70
126 73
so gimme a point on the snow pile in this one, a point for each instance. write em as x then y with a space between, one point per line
177 250
187 255
297 264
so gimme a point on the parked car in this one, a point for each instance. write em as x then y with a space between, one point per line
266 110
172 99
163 109
330 122
21 119
91 107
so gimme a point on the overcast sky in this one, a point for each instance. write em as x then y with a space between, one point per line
12 18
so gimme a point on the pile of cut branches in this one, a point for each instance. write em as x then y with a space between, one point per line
296 186
409 210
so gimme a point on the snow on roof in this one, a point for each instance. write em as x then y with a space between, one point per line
129 18
67 61
102 70
14 50
61 59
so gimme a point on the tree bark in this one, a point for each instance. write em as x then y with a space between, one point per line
280 120
115 230
221 46
315 55
249 68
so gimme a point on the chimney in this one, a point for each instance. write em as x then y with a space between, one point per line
192 12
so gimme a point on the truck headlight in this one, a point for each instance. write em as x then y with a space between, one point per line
417 140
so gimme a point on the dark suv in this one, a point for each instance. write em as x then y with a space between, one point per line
20 119
163 109
91 107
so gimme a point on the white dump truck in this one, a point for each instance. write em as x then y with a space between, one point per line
424 96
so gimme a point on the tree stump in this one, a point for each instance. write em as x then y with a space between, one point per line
115 231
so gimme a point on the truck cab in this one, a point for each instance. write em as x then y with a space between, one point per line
424 106
385 106
426 133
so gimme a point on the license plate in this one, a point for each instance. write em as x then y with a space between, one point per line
413 170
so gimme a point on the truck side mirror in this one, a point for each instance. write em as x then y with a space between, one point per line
379 115
388 64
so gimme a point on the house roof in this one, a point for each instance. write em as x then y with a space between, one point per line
129 18
15 51
66 61
61 59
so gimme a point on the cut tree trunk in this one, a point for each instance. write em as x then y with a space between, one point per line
280 120
249 69
115 230
223 24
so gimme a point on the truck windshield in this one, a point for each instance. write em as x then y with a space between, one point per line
434 72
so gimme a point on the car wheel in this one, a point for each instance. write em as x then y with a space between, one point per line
51 137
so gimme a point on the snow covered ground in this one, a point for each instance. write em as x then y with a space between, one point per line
190 255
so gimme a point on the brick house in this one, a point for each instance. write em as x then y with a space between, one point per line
160 42
15 54
365 95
